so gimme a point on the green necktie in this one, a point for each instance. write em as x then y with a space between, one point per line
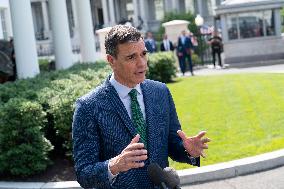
137 117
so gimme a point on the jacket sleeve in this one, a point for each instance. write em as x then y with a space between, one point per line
176 149
90 172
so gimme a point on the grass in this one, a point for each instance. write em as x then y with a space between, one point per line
243 114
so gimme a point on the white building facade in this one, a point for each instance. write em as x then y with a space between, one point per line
65 27
251 31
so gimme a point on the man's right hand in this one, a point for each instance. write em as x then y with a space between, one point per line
131 157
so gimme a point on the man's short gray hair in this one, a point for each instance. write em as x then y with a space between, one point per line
120 34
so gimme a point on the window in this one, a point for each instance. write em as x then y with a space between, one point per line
251 24
159 9
269 22
3 23
232 22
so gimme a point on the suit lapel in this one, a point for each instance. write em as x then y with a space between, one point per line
118 107
151 119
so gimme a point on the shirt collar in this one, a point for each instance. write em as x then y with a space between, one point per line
123 90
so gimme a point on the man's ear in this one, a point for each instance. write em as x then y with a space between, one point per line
110 60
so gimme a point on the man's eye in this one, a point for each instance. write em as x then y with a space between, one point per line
131 57
144 53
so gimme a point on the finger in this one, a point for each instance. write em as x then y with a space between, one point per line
205 140
138 164
136 152
135 139
135 146
205 146
202 154
137 158
201 134
181 134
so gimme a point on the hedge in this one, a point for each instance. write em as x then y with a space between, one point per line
162 66
23 147
44 106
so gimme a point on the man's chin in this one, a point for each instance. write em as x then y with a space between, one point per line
141 79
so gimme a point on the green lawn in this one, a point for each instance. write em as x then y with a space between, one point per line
243 114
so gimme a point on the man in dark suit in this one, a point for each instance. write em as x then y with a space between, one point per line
128 122
166 44
150 43
184 49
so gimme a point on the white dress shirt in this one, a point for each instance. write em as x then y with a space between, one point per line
167 46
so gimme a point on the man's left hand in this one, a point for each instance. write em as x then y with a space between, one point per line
194 145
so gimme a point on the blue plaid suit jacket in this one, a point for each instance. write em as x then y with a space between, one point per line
102 128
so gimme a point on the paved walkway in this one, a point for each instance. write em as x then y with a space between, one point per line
209 70
272 179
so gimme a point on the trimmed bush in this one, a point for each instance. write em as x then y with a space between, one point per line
195 59
161 67
23 147
56 92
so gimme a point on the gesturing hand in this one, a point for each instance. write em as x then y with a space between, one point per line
131 157
196 144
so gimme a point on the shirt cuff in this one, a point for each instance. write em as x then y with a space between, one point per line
111 177
193 160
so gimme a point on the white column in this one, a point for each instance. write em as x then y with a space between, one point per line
87 42
24 39
175 5
74 10
200 7
144 14
105 13
277 21
167 5
213 5
117 10
45 19
136 12
224 28
61 34
111 11
75 40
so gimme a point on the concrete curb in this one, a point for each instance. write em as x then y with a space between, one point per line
187 176
232 168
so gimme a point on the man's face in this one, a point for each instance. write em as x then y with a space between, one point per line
130 64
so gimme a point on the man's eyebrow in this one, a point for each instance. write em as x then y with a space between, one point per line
129 55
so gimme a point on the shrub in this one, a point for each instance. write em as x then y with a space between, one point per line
195 59
161 66
23 147
43 64
56 92
46 65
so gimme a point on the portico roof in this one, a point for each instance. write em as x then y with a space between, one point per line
234 6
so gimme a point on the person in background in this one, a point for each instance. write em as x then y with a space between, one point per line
150 43
217 47
166 44
128 122
184 49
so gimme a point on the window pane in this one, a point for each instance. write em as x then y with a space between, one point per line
251 24
232 27
269 22
159 9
